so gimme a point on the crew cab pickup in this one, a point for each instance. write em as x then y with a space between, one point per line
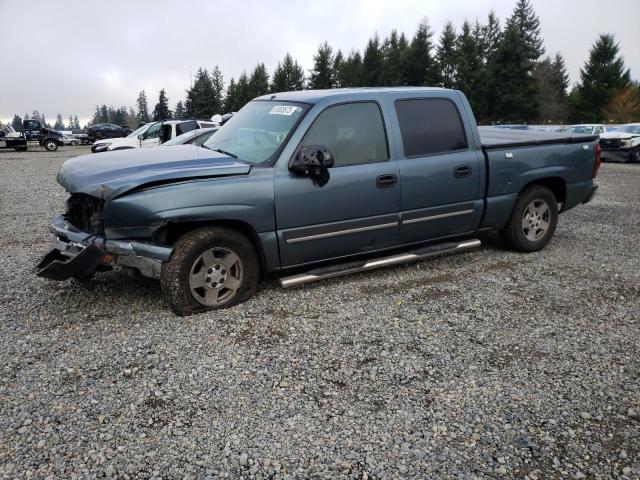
315 184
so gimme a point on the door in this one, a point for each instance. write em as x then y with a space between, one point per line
32 130
152 136
440 175
356 211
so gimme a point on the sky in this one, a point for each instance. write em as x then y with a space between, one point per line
69 56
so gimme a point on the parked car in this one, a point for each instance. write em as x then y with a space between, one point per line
151 135
194 137
587 129
300 180
107 130
622 145
70 140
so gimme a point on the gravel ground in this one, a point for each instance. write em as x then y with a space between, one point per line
490 364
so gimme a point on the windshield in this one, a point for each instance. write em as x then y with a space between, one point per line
632 129
255 133
137 132
580 129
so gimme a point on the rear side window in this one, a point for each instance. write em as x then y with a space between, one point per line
185 127
430 126
354 133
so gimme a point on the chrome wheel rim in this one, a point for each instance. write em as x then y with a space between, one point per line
215 276
536 220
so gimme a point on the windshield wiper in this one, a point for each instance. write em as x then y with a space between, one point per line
219 150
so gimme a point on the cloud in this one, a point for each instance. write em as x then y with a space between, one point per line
69 57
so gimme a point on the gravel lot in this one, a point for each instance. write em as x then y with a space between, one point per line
489 364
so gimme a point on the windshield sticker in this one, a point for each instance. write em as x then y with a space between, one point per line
283 110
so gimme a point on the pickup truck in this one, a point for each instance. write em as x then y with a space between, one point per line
315 184
32 131
623 145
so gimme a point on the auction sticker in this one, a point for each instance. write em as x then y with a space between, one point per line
283 110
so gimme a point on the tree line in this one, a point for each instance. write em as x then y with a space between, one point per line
502 69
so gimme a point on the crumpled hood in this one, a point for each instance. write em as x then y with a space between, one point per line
110 174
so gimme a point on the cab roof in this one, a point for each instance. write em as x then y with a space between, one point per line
314 96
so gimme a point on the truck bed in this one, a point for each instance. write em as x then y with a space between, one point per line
494 138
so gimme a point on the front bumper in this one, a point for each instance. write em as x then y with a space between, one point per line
78 254
618 155
101 147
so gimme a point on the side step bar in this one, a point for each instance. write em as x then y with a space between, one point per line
364 265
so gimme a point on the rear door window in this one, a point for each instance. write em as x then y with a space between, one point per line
185 127
430 126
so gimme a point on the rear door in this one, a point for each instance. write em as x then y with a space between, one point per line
356 211
440 173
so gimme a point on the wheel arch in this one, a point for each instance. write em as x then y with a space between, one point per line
169 233
557 185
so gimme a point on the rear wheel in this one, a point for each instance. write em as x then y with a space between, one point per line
635 155
99 135
50 145
533 220
210 268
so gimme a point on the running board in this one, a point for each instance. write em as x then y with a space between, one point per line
364 265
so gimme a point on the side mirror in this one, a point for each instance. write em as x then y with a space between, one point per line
141 136
311 159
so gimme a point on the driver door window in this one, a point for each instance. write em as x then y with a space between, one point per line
353 132
152 136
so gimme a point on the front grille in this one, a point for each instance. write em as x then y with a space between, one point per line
85 212
610 143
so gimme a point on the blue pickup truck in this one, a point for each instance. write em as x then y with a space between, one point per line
315 184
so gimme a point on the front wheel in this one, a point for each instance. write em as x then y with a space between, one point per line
50 145
533 220
210 268
635 155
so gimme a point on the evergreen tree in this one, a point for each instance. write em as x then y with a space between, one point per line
338 62
104 114
349 73
287 76
603 75
143 108
321 76
16 123
372 63
258 82
516 55
76 123
243 92
446 56
161 110
468 66
231 98
392 73
217 94
551 77
59 125
200 96
120 116
488 40
420 68
70 123
179 112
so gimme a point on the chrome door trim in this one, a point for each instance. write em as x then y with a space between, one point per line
438 216
341 232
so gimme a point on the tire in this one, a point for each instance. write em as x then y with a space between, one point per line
193 280
533 220
50 145
99 135
635 155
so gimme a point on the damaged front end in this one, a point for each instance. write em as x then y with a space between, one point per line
81 248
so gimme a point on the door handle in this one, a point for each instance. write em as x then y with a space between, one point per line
462 171
386 181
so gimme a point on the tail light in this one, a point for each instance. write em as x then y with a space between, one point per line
597 161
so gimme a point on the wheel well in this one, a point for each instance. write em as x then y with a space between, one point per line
557 185
171 232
